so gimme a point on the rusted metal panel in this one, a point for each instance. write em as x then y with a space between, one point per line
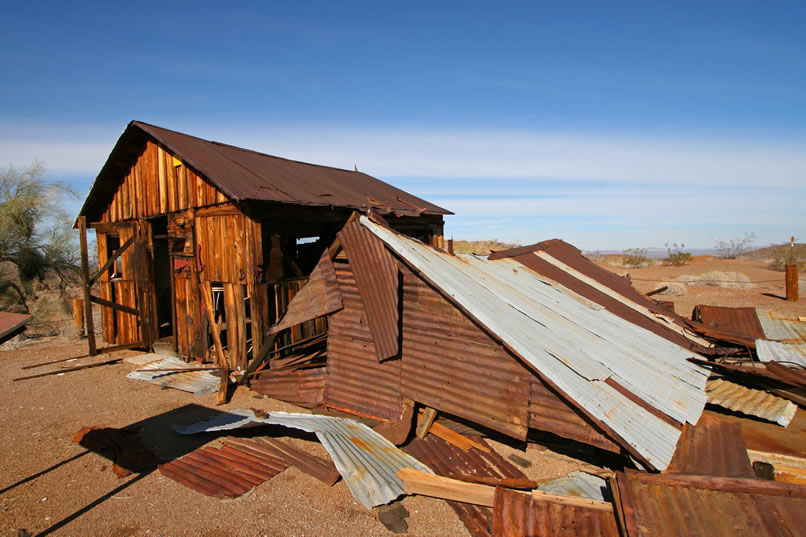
225 472
654 505
196 382
713 447
751 402
452 365
12 324
783 327
323 470
376 275
356 382
574 347
742 321
549 412
301 387
242 174
578 484
318 297
449 461
520 515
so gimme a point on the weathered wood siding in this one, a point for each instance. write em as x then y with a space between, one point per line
158 183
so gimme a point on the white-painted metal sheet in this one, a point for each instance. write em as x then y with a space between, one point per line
775 351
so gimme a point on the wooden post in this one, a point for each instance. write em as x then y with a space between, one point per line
424 422
792 283
85 286
207 297
78 316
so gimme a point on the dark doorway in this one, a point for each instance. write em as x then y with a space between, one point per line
162 276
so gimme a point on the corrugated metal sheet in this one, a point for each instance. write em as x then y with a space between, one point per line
751 402
742 321
196 382
356 382
301 387
318 297
449 461
573 346
367 461
248 175
376 275
713 447
549 412
775 351
452 365
323 470
11 324
665 505
615 304
521 515
784 327
226 472
578 484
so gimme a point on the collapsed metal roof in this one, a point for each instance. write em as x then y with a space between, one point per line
589 354
243 174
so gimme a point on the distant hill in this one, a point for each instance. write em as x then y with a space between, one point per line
481 247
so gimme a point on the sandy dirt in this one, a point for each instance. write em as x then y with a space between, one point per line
50 486
767 290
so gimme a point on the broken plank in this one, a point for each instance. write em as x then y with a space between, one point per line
457 439
69 369
424 421
207 297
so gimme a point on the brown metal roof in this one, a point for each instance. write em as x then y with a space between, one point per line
705 506
447 460
572 256
12 324
227 472
713 447
742 321
243 174
521 515
356 382
451 364
377 279
302 387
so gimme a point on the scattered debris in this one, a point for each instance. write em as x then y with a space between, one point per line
580 485
195 381
393 517
520 461
69 369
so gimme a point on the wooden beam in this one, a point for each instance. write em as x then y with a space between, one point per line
207 297
452 437
111 261
85 285
424 421
69 369
446 488
113 305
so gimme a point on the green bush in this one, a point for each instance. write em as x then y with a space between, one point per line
635 258
675 255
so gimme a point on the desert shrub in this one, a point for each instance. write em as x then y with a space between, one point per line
594 257
732 280
634 258
735 247
675 255
673 289
785 254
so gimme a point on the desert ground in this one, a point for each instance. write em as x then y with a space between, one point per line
52 486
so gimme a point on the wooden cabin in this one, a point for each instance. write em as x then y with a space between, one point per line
174 214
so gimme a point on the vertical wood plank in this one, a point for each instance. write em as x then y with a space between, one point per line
240 321
85 276
207 298
162 181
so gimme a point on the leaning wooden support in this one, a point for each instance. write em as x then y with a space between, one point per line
207 297
424 421
85 285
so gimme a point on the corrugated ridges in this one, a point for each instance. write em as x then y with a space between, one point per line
226 472
447 460
318 297
775 351
302 387
742 321
376 275
782 326
751 402
519 515
654 505
356 381
196 382
549 412
713 447
450 364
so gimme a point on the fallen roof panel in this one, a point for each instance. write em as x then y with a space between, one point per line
775 351
11 324
196 382
713 447
785 327
367 461
751 402
573 346
743 321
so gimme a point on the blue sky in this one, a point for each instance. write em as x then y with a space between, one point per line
608 124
